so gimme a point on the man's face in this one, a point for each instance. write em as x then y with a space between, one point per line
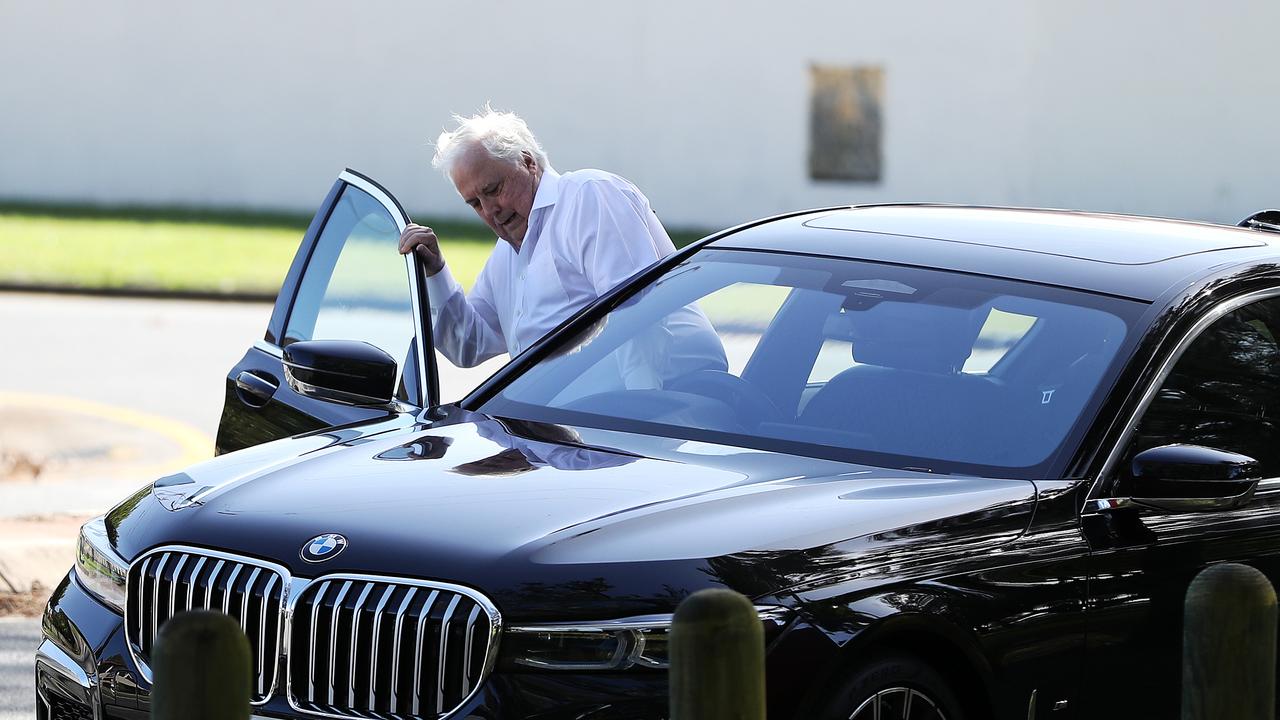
499 191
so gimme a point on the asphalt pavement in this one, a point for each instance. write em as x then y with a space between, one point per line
18 640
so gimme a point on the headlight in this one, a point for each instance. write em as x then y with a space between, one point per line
635 642
98 568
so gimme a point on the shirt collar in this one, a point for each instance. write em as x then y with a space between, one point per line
547 194
548 189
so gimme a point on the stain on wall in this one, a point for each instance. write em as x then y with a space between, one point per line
845 123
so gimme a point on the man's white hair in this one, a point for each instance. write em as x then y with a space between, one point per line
504 135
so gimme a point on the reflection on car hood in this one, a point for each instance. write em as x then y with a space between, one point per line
476 499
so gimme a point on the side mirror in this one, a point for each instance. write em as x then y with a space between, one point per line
342 371
1185 478
1193 463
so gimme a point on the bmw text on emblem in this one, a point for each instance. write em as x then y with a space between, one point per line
323 547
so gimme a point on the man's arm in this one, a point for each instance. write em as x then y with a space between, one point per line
620 236
465 327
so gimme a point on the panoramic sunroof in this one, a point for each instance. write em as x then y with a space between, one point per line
1111 239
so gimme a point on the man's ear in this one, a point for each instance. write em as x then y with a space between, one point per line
529 163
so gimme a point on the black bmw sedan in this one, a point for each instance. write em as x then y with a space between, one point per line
964 461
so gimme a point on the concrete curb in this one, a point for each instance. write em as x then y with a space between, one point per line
27 564
35 553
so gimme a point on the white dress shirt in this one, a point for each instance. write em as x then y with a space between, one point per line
588 231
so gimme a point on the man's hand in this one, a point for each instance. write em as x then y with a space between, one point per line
423 241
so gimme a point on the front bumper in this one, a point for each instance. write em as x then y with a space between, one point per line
84 672
63 688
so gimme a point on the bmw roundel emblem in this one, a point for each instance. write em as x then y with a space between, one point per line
323 547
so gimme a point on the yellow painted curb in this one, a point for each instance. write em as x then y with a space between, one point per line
195 445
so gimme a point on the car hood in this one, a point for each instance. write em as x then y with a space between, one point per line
518 508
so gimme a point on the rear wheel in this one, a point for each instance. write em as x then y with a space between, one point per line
896 687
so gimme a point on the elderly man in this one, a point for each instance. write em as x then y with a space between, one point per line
563 241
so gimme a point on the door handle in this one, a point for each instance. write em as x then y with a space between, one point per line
254 390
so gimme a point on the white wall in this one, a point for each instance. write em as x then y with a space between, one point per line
1157 107
1149 107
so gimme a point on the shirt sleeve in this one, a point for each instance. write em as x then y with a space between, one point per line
618 232
465 326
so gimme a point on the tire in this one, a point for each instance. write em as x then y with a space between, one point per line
904 687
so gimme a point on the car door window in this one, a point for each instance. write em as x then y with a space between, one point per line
356 286
1224 392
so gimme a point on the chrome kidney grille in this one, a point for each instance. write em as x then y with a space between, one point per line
168 581
366 646
355 646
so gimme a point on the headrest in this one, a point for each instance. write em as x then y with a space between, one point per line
914 336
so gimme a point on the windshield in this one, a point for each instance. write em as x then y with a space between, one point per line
871 363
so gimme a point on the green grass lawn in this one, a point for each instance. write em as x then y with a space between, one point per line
181 250
165 250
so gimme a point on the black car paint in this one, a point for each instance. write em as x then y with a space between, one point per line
663 549
995 240
1024 593
617 513
1142 563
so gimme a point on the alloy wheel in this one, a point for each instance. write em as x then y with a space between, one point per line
898 703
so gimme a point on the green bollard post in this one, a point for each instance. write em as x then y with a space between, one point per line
1229 645
717 658
202 669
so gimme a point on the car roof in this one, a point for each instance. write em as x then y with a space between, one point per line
1123 255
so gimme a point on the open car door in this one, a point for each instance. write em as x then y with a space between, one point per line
347 282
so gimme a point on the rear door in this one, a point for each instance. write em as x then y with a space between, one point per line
1223 392
347 282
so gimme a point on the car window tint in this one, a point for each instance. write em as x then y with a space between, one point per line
834 357
355 286
837 359
1224 392
740 313
1000 332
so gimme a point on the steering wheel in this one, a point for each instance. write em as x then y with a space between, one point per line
748 401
